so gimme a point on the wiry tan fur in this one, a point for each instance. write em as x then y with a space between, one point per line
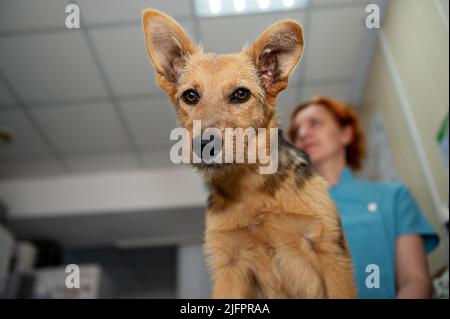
267 236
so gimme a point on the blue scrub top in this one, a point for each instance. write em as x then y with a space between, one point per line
374 215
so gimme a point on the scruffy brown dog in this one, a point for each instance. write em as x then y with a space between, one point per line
267 235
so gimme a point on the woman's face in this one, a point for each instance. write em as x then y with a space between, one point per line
319 134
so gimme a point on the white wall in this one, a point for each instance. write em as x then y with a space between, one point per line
104 193
408 84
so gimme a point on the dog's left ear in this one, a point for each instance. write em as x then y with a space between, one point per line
276 53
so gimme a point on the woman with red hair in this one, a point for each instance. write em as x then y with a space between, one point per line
386 231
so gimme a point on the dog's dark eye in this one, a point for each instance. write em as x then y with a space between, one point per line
190 97
241 95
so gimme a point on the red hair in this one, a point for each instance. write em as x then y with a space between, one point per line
344 116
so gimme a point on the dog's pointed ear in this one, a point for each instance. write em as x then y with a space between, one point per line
168 47
276 53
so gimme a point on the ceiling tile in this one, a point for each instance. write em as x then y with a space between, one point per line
335 40
36 167
25 14
124 57
25 141
50 66
102 162
5 97
151 121
159 157
100 11
8 106
83 128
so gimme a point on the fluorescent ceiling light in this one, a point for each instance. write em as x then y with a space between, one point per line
263 4
212 8
239 5
288 3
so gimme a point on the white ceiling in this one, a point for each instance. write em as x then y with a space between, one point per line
82 101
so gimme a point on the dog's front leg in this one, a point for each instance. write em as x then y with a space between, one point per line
231 282
230 259
337 274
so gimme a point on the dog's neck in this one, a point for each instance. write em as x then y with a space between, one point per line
244 178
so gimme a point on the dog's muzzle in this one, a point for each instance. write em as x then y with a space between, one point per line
215 147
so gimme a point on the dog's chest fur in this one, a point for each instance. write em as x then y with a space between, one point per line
253 222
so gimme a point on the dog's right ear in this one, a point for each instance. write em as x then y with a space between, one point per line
168 47
276 53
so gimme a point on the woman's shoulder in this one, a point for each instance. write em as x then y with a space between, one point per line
379 187
356 188
387 185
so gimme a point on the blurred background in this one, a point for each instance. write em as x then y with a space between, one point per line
85 173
